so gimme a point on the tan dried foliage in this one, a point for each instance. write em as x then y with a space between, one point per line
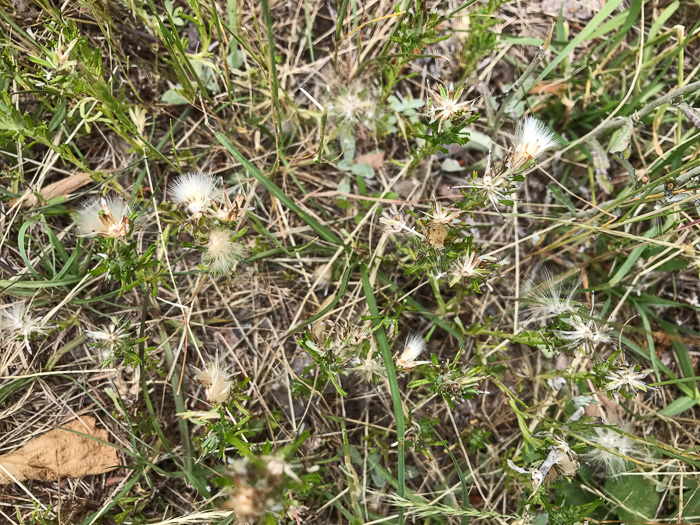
376 159
61 454
59 188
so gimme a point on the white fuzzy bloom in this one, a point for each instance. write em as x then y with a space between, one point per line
217 382
196 190
584 332
532 139
561 460
109 337
370 368
629 379
105 217
394 224
16 321
466 268
550 298
612 449
415 344
352 106
556 383
222 254
444 105
277 466
442 215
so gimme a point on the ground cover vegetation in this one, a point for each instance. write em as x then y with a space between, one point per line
349 262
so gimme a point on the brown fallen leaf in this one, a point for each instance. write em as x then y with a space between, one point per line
376 159
56 189
61 454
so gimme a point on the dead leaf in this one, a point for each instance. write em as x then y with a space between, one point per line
376 159
61 454
655 128
56 189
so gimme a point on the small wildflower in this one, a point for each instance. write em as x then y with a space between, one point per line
414 347
441 215
495 186
221 254
105 217
556 383
549 299
16 322
466 268
109 337
277 467
435 225
138 117
628 378
218 383
230 211
196 190
444 105
561 460
532 139
396 225
352 106
584 332
612 448
370 368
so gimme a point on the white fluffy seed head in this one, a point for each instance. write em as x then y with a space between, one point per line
216 381
548 298
415 344
532 139
109 337
582 331
629 379
222 254
15 321
196 190
105 217
613 449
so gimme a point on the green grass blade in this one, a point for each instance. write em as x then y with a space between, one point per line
388 359
277 192
273 72
339 295
587 31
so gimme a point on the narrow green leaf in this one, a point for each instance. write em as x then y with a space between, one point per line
623 270
388 359
339 295
678 406
277 192
585 34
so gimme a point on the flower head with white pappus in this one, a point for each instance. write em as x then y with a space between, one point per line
613 449
196 190
442 216
532 139
495 185
395 224
110 337
467 267
588 332
444 105
627 378
105 217
549 298
222 254
15 321
216 381
415 345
